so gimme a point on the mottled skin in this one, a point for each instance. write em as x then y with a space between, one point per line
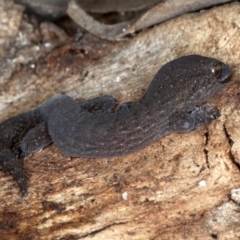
173 102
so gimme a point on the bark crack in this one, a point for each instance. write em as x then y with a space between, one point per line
205 150
230 142
102 229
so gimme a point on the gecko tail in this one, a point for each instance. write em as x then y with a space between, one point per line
11 165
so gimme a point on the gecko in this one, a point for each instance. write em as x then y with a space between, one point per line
174 101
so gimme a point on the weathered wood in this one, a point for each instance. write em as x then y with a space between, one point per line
176 188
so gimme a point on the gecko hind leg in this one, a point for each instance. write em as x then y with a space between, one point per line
36 139
127 105
100 104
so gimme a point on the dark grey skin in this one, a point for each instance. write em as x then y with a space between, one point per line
11 133
174 101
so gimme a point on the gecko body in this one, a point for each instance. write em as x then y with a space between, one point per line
174 101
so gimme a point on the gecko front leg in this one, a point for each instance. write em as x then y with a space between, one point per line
184 122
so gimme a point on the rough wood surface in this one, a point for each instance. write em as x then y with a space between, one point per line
177 188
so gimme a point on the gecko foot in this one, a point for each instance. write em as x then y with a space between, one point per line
185 122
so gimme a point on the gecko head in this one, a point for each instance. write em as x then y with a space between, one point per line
188 80
208 71
215 75
199 78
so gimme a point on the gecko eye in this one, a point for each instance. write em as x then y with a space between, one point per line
217 70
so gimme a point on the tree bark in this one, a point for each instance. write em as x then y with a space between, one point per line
176 188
